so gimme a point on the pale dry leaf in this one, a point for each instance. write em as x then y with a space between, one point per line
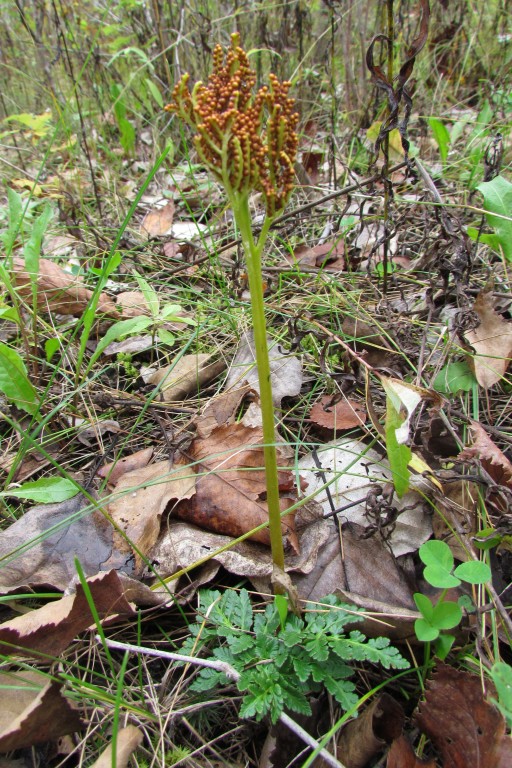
186 376
141 498
491 341
494 461
132 304
353 471
57 290
285 370
127 741
58 532
133 345
33 710
50 629
159 222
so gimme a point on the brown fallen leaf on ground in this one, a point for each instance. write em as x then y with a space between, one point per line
58 532
158 222
402 755
186 376
220 410
491 341
57 290
467 730
376 726
334 417
328 255
492 459
231 488
116 469
363 336
141 498
50 629
33 710
127 741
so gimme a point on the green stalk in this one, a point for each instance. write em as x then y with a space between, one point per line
253 251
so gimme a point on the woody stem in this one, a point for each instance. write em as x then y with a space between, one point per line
253 252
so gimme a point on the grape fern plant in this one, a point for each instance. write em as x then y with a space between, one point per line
279 661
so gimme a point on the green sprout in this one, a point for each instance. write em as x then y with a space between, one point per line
248 140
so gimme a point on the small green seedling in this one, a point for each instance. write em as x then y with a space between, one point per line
439 571
281 657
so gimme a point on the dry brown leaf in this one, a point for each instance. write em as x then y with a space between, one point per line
328 255
128 739
492 459
377 349
50 561
58 291
158 222
401 755
50 629
33 710
141 499
491 341
335 417
467 730
132 304
116 469
186 376
377 725
220 410
231 487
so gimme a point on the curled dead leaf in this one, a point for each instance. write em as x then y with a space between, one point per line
491 341
186 376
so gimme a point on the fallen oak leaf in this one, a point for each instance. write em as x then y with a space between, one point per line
489 455
33 710
49 630
468 731
231 489
336 416
127 741
491 341
158 222
185 376
115 469
57 290
142 497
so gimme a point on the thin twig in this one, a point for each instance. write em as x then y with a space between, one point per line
232 674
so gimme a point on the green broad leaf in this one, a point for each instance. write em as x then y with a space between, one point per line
492 241
166 337
149 293
444 645
9 313
424 605
281 603
439 563
446 615
454 378
40 124
152 88
487 538
441 136
425 632
233 611
501 674
240 643
46 490
473 572
127 131
14 382
32 249
292 633
50 348
399 454
15 201
129 327
498 204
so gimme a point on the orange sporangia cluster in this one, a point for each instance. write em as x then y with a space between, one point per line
247 139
